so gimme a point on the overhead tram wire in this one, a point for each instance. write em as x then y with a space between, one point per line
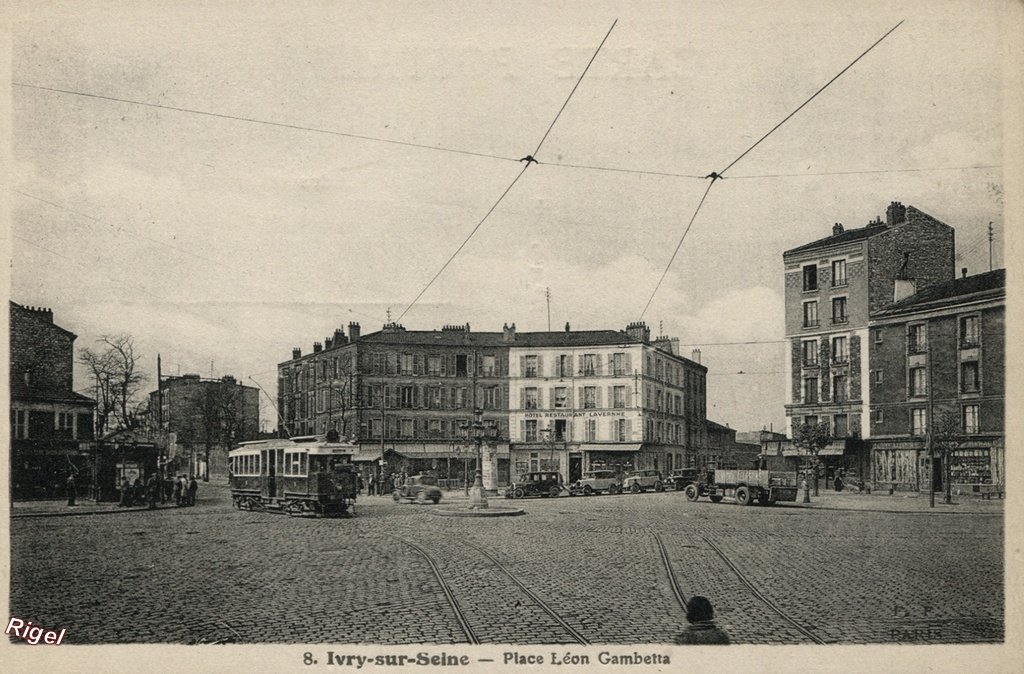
253 120
715 176
529 159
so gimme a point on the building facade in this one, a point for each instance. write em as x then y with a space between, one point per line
938 358
832 286
199 420
52 426
571 400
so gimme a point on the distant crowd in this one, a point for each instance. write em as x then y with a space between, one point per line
180 490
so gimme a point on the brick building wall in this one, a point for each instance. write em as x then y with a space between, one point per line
42 353
932 254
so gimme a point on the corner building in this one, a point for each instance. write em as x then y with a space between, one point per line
832 286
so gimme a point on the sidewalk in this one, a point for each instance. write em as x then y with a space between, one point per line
60 507
902 502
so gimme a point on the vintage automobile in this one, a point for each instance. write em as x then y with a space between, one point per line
597 481
536 484
687 480
641 480
418 488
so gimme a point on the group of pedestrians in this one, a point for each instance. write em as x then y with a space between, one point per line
180 490
377 485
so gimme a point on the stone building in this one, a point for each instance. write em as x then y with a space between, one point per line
583 400
200 419
832 285
51 426
727 449
575 399
940 352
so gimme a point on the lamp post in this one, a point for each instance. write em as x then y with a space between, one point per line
479 431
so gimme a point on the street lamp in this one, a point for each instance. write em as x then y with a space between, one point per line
479 431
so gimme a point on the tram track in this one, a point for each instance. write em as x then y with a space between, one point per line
757 593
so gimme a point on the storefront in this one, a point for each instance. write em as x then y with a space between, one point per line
454 464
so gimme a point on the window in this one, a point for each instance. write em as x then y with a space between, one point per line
559 428
64 423
19 423
591 432
810 350
838 273
811 420
561 397
877 416
490 397
840 351
405 428
375 428
619 364
434 365
589 397
810 314
969 333
918 382
840 426
811 390
531 430
564 365
488 366
917 338
969 381
877 332
461 365
621 430
405 363
530 369
530 398
434 397
839 310
408 396
970 420
918 421
660 397
810 277
589 364
619 397
839 389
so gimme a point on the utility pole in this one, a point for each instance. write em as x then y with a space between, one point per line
547 296
990 245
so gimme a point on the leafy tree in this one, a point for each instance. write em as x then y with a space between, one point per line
813 438
947 437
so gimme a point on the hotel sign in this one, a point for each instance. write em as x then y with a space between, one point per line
578 414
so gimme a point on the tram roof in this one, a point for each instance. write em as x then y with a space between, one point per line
312 444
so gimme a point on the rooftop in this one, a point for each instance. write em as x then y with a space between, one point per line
991 283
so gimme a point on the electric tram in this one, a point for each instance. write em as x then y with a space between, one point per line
304 475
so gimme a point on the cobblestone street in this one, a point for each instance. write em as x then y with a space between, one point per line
784 575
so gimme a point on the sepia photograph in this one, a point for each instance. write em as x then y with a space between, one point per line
511 336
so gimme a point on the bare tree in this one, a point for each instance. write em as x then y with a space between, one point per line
113 368
813 438
222 419
947 438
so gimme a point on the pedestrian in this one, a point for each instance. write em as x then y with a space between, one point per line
126 494
176 496
373 484
839 480
152 490
138 491
70 487
183 483
193 486
702 629
359 486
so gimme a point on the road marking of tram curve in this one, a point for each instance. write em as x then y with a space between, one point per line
460 616
768 602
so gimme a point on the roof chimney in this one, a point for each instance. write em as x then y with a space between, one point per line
895 214
296 353
567 326
837 229
695 356
963 272
317 347
328 342
339 337
639 331
353 332
509 332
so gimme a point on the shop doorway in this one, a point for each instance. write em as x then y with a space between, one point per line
575 467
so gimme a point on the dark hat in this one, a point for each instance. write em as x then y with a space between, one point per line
699 609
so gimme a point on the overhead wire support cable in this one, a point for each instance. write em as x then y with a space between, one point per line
715 176
528 159
253 120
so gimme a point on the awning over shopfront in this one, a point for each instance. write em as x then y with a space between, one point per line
438 450
621 447
366 456
835 448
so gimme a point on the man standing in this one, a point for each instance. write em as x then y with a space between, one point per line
70 486
193 486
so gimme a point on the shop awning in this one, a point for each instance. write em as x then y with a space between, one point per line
443 450
835 448
366 457
620 447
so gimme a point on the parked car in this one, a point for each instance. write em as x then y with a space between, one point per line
597 481
687 480
536 484
642 480
419 488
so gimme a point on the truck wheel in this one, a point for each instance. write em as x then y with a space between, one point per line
588 490
519 493
635 487
692 493
715 498
395 496
742 496
554 491
658 486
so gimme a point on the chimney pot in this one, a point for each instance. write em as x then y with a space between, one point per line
353 332
963 272
317 347
695 356
895 214
567 326
296 353
837 228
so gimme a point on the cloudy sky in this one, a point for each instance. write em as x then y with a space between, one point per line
222 243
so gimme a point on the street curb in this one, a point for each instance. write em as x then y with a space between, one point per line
84 513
